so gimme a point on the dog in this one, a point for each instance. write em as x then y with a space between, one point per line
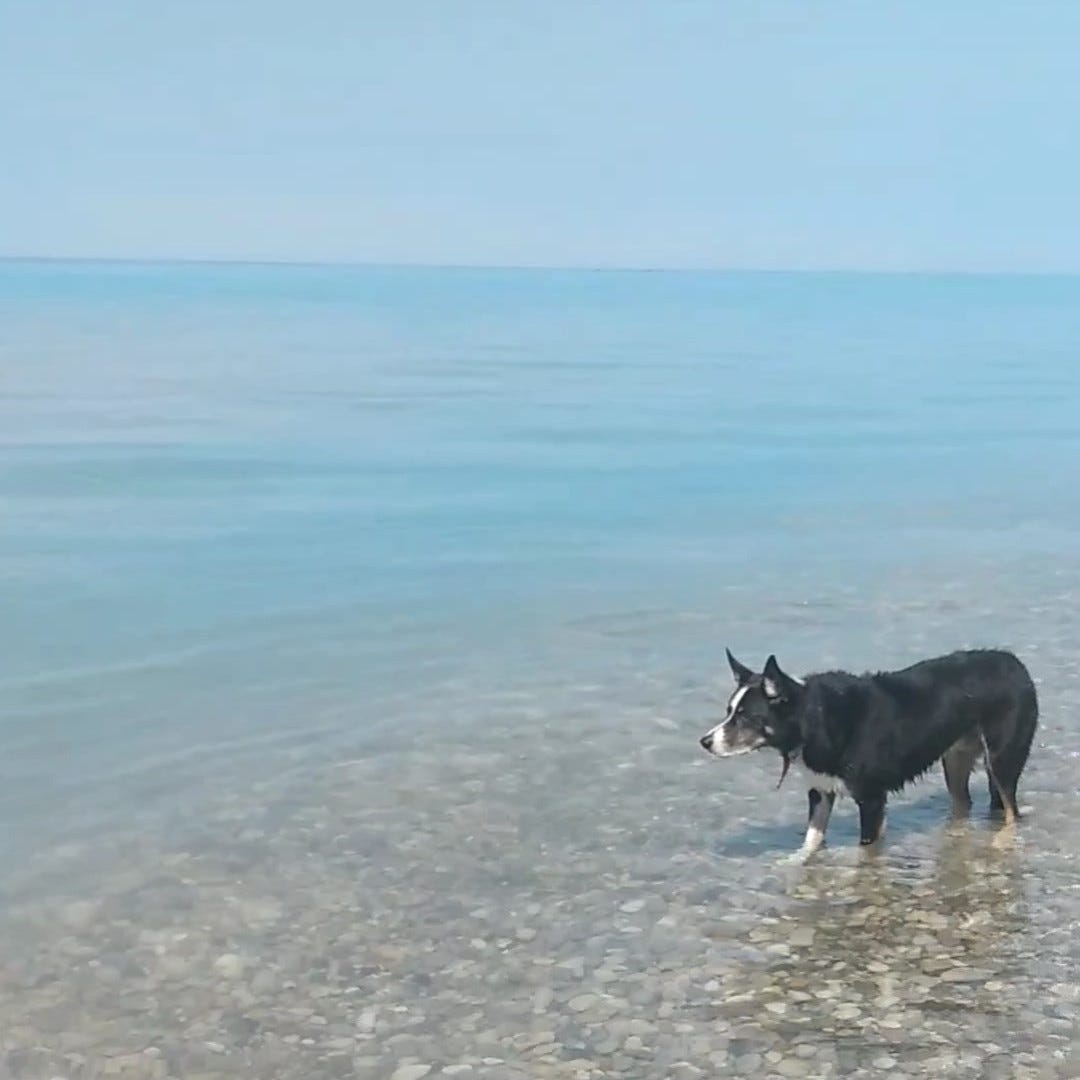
869 735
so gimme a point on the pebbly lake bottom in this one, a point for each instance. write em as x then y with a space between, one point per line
540 875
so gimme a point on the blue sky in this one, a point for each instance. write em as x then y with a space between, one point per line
749 133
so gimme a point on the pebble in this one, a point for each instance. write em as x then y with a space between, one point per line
264 983
230 966
80 914
684 1070
792 1067
533 1038
963 974
576 966
582 1002
410 1072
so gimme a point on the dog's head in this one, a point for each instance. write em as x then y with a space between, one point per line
761 712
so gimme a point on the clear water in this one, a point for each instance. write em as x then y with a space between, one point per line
260 521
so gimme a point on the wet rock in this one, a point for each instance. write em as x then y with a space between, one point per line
793 1067
230 966
410 1072
80 914
964 974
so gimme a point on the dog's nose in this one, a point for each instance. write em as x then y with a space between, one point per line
706 742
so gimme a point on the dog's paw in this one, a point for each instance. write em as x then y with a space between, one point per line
798 857
1005 839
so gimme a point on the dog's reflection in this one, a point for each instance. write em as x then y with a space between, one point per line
933 931
907 903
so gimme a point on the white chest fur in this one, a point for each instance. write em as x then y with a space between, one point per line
824 783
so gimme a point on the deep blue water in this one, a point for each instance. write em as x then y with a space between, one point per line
246 507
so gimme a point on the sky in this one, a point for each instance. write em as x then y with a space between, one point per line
831 134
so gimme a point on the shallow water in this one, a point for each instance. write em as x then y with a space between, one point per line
362 626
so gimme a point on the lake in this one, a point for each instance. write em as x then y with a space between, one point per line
361 623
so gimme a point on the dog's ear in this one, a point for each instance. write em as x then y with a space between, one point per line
741 672
778 685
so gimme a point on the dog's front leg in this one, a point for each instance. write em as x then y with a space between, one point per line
821 805
871 817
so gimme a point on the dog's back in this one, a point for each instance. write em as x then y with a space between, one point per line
897 725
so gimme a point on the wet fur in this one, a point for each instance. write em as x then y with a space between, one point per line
880 732
874 734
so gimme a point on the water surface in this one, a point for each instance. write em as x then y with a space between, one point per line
361 623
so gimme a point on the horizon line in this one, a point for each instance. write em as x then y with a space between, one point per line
595 268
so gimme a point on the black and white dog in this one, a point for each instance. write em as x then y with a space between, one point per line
869 735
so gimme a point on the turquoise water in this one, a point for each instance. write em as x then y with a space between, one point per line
360 625
242 505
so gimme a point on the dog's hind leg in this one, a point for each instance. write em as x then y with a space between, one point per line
1003 771
958 761
997 803
1007 738
1004 764
1002 791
